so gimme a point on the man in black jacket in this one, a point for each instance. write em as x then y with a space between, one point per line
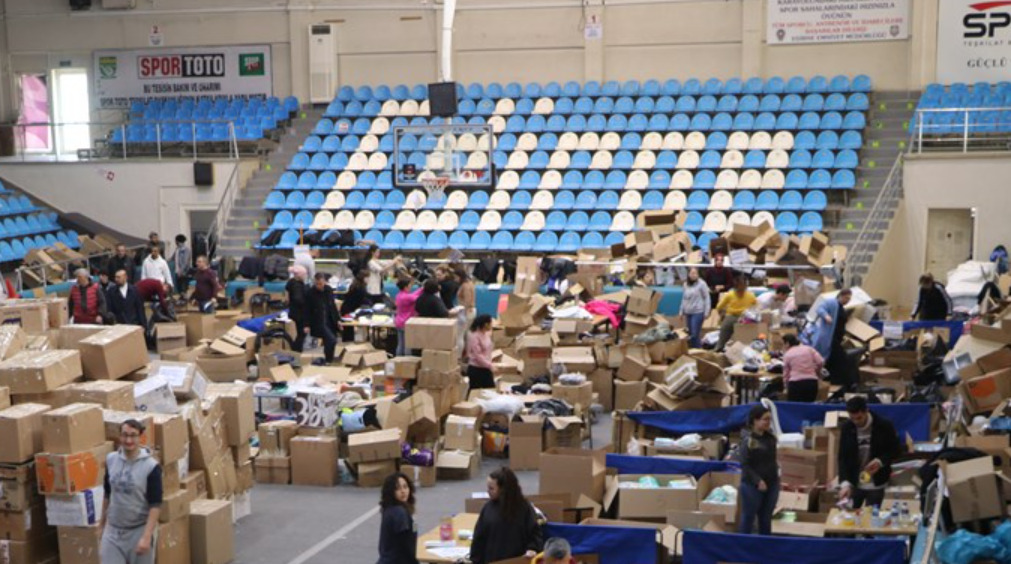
124 302
867 445
323 316
121 261
933 303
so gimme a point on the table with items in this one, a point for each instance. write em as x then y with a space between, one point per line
432 548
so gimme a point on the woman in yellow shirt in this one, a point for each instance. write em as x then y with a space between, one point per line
732 306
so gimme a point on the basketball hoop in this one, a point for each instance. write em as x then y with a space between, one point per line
435 185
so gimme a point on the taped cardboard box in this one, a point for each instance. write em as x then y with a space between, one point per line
709 483
173 541
526 442
219 367
273 469
573 472
375 445
602 382
457 465
66 474
187 381
106 393
21 432
634 361
651 503
30 315
439 361
974 490
169 336
239 411
406 367
81 509
199 326
81 545
155 395
802 467
431 333
423 420
422 476
212 536
18 491
581 395
25 525
316 406
113 353
72 428
30 372
171 438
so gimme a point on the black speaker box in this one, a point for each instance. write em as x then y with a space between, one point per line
203 174
442 99
80 4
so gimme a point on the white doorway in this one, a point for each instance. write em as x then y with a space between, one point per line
949 240
71 110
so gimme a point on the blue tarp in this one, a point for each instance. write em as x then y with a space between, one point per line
912 418
615 545
626 464
954 327
711 548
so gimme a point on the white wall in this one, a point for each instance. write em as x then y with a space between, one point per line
977 181
395 41
139 198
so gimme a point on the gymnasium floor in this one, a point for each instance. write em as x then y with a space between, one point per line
308 525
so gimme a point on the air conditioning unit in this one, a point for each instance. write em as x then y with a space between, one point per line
119 4
322 63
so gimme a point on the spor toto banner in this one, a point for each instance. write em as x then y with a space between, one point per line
124 76
836 21
973 41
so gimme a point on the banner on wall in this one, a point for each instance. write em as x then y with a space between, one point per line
791 22
973 41
123 76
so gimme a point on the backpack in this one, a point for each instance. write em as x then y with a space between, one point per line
251 267
272 238
275 267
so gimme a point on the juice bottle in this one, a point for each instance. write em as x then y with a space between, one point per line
446 529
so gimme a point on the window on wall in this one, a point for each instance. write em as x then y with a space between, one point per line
34 110
71 110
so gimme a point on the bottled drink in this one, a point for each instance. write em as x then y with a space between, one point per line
446 529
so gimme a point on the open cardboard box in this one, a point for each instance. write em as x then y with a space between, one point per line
652 503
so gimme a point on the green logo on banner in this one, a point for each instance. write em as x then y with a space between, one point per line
107 67
251 64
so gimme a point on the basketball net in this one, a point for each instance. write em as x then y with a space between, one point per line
435 186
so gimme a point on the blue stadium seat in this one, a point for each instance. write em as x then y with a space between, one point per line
608 200
791 200
851 140
652 200
275 201
712 87
775 85
521 200
385 220
710 159
796 180
302 220
767 201
511 221
822 159
744 121
804 140
770 103
530 179
616 122
307 181
727 103
314 200
568 242
437 241
698 201
754 159
841 180
744 200
660 179
846 158
818 84
704 180
786 222
524 241
809 120
813 103
375 201
578 221
375 236
573 179
748 103
815 200
787 121
615 180
796 85
613 238
300 161
555 221
665 105
861 83
832 120
288 239
282 220
835 102
753 85
480 241
765 121
565 200
827 140
564 107
810 222
547 241
459 240
355 201
644 105
800 159
295 201
680 122
819 180
502 241
623 105
415 241
693 221
600 221
597 123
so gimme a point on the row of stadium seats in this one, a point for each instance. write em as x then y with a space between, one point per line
16 249
693 87
220 107
981 108
600 123
625 105
565 241
25 226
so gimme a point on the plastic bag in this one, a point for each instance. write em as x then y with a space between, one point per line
502 404
964 547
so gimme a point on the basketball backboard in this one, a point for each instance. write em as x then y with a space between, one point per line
459 154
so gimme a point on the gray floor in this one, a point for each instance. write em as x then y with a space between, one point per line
290 522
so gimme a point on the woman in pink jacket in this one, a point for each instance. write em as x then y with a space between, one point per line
480 371
405 310
801 370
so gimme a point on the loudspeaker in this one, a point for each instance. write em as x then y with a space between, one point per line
80 4
203 174
442 99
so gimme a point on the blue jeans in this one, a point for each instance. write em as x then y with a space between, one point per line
401 342
757 504
694 321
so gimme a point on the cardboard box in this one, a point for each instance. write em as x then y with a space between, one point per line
82 509
199 326
173 541
973 490
581 395
169 336
24 525
406 367
37 372
239 410
633 364
651 503
375 445
275 437
155 395
709 482
602 381
802 467
526 441
314 461
573 472
31 316
212 537
175 505
17 487
748 332
5 397
272 469
187 381
222 367
372 474
984 393
21 432
316 407
457 465
564 432
440 360
643 301
113 353
462 433
628 394
106 393
12 341
67 474
74 428
81 545
422 476
527 277
428 333
574 359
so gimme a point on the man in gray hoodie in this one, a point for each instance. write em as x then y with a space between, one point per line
133 497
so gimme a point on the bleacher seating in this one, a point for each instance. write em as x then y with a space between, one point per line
574 163
989 105
184 121
25 226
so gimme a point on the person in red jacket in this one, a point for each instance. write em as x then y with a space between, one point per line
87 300
155 291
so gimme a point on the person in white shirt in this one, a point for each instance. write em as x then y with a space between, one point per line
155 267
778 300
377 270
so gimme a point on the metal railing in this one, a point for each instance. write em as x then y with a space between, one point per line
93 140
962 128
217 229
41 271
861 252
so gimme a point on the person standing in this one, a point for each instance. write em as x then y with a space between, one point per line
87 300
759 473
133 498
430 303
296 290
826 332
405 300
719 279
695 306
356 297
867 445
466 299
480 370
156 268
801 370
732 306
307 260
121 261
448 286
125 305
933 303
377 270
507 526
398 533
182 265
778 300
207 286
323 316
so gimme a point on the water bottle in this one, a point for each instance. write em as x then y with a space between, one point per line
446 529
904 511
875 517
